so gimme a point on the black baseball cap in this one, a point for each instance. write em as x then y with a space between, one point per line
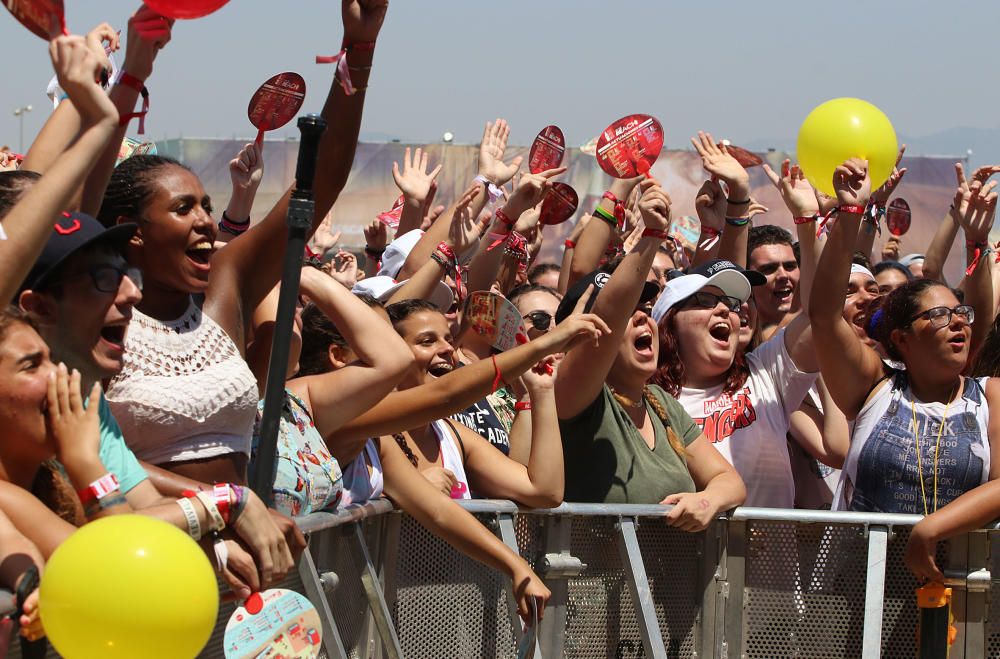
599 278
71 233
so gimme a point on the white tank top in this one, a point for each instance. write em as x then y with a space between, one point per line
363 479
452 459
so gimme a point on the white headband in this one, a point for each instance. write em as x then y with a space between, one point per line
860 269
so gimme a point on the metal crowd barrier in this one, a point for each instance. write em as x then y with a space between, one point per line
758 583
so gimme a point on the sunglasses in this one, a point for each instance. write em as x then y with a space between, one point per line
706 300
540 320
107 278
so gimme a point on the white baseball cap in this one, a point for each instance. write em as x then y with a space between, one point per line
726 275
395 254
382 288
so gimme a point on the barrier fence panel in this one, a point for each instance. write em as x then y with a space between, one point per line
759 583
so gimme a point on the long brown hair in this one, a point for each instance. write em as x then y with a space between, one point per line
670 372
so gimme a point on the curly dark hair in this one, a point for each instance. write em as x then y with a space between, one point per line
670 374
131 187
13 185
895 312
767 234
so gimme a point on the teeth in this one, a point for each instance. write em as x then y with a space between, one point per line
204 244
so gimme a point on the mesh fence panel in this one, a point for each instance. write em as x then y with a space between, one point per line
805 591
673 561
448 605
899 615
348 601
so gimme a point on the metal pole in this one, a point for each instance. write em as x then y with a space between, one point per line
300 216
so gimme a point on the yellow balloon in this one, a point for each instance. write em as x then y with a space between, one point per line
128 586
845 128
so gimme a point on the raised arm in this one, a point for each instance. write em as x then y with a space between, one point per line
244 272
541 483
148 33
850 368
29 224
569 247
246 171
736 207
457 390
583 371
415 182
800 200
879 199
974 210
599 233
492 174
383 358
63 125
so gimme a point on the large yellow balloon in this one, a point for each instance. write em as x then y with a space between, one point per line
128 586
846 128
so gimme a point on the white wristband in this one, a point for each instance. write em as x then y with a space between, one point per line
214 516
491 188
194 526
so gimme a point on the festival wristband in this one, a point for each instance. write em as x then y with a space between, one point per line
191 516
343 75
216 523
619 207
221 551
738 221
606 216
228 225
223 499
655 233
504 219
99 489
805 219
569 244
522 406
129 80
241 497
491 188
710 232
852 209
737 203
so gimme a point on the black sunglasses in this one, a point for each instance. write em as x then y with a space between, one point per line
707 300
540 320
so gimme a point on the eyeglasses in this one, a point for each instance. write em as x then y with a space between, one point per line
107 278
940 317
707 300
540 320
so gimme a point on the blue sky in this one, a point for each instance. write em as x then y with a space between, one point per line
748 71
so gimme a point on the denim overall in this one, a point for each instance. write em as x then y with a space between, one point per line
887 479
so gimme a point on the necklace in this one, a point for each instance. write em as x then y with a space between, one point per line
937 447
625 401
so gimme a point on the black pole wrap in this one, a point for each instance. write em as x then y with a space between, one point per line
300 215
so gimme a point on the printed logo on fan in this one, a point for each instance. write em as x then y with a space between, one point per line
726 414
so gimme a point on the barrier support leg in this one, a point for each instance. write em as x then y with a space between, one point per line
553 627
505 525
878 544
332 642
729 643
376 601
635 571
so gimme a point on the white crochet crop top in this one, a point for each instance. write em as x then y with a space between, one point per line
185 393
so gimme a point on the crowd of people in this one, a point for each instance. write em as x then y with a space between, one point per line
758 368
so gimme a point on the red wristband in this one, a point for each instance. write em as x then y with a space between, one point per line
711 232
655 233
367 46
99 489
619 206
851 208
500 215
223 499
569 244
804 219
129 80
521 406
